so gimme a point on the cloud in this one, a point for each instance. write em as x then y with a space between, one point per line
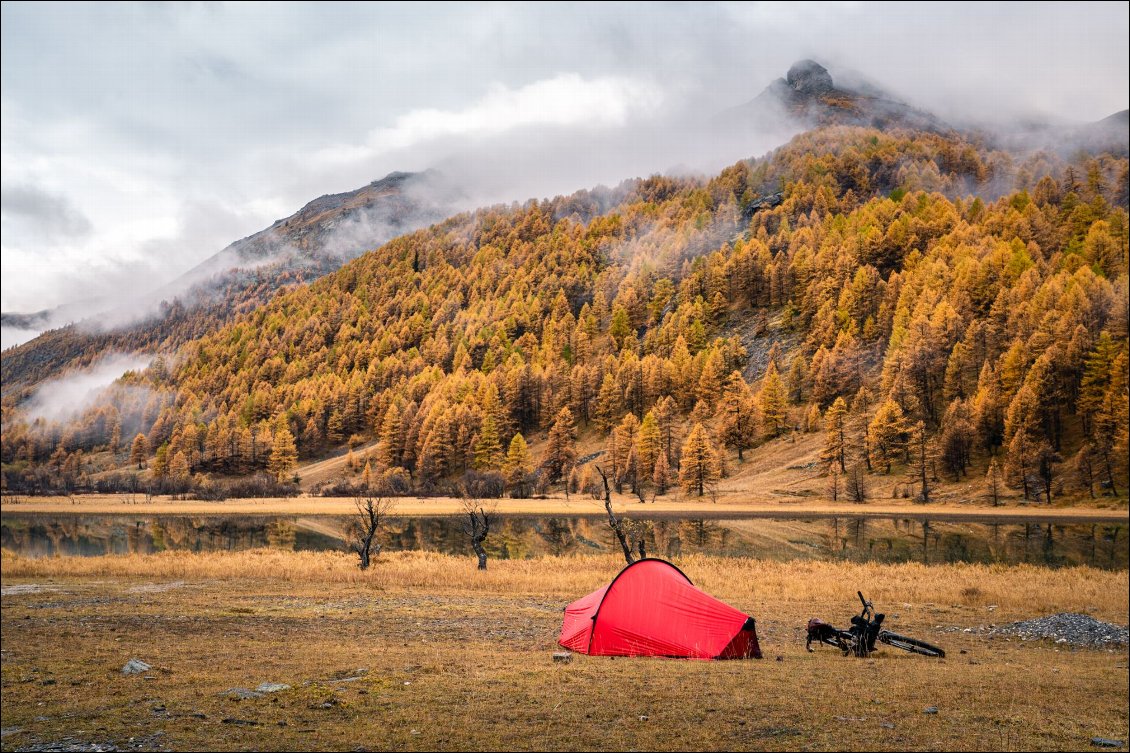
91 279
132 116
59 399
12 336
565 100
50 218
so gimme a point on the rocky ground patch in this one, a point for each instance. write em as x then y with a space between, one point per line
1067 627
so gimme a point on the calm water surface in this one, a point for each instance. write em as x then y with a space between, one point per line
893 539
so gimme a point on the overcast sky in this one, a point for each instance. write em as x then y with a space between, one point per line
138 140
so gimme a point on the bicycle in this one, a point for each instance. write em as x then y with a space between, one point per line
866 629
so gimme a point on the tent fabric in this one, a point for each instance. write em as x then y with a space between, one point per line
652 609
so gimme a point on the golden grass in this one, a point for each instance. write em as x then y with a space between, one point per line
758 584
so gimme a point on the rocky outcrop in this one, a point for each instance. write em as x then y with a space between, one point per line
809 78
808 97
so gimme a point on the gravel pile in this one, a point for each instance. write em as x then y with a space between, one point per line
1069 628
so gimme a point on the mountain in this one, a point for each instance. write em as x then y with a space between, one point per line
334 228
938 303
1111 134
315 240
18 327
24 321
888 298
809 97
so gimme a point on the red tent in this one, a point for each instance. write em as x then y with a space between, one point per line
652 609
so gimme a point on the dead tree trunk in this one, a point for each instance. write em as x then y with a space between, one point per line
480 528
477 527
615 523
370 512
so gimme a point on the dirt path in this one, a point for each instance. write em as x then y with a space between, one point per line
334 467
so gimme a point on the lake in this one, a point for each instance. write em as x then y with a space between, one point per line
855 538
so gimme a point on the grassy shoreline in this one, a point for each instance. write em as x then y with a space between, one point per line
1023 586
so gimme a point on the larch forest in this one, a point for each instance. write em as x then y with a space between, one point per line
935 307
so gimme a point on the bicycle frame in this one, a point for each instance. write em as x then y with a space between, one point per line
859 639
866 629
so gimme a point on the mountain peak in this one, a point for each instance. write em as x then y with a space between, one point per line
396 176
809 77
808 97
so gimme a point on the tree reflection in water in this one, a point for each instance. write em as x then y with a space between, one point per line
855 538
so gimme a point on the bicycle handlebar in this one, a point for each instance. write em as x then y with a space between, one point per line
861 599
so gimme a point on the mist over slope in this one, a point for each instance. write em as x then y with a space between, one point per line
317 239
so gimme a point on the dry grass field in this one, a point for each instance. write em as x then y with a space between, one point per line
453 658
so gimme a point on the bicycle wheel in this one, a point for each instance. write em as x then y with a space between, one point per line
913 645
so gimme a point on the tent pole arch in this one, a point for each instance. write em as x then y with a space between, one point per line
592 632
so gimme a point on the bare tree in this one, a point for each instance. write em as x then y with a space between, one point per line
638 530
476 524
567 475
712 491
923 454
856 483
1046 460
371 511
637 489
1085 469
622 528
993 477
